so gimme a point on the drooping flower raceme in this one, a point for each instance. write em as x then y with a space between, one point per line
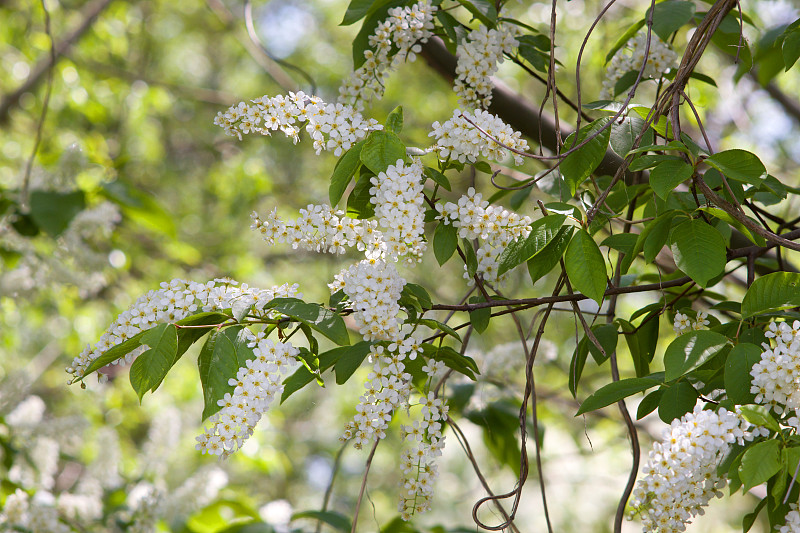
680 474
660 59
373 286
792 521
174 301
255 387
335 127
495 226
397 195
460 140
776 377
478 57
394 41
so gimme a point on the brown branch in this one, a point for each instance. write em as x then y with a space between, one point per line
90 13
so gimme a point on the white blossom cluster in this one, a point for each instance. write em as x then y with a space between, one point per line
418 463
776 377
478 56
320 228
684 323
792 521
398 36
680 474
458 139
335 127
397 195
660 59
388 387
174 301
373 287
495 226
255 387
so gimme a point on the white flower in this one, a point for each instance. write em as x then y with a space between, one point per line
478 57
660 59
458 139
776 377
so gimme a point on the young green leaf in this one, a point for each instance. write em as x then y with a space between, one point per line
615 391
480 317
319 318
348 359
394 122
542 232
676 400
445 242
381 149
760 462
437 177
699 250
737 372
669 16
549 256
649 403
773 292
578 165
755 238
149 369
586 267
760 415
115 352
691 350
220 359
344 171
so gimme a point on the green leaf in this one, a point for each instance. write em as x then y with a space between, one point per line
480 317
760 462
356 11
615 391
542 232
576 365
394 122
578 165
549 256
756 239
315 315
149 369
500 423
646 161
608 336
668 175
739 165
773 292
419 293
790 49
348 359
677 400
657 238
375 15
301 377
445 242
586 267
699 250
335 520
670 16
642 343
625 133
462 364
115 352
382 149
344 171
437 177
358 203
649 403
435 324
221 357
691 350
737 372
471 258
760 416
483 10
750 518
530 51
53 211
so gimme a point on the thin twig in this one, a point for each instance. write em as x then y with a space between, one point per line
364 483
